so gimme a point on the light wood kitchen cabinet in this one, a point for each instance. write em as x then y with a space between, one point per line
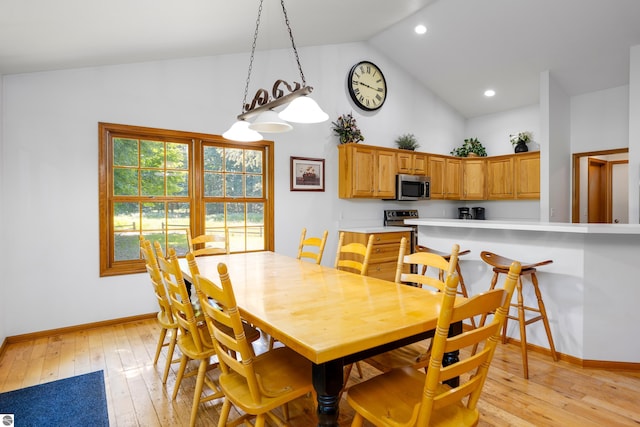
500 178
474 172
436 172
366 172
369 172
412 163
527 175
384 256
446 177
453 178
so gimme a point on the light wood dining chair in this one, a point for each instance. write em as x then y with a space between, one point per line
312 247
256 385
251 332
443 396
447 256
354 257
416 353
422 260
165 316
208 244
194 341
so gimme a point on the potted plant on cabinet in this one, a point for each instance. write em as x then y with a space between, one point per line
470 147
520 141
347 129
407 141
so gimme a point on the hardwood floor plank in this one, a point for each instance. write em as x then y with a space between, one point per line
81 362
51 364
558 393
67 355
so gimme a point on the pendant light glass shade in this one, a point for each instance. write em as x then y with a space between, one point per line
268 121
303 110
240 131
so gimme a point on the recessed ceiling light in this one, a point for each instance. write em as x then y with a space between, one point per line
420 29
489 93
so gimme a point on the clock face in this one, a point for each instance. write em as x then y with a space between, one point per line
367 86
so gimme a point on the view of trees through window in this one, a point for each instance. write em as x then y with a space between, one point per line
163 186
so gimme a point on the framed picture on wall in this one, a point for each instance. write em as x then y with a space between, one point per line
307 174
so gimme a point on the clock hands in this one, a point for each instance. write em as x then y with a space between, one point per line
365 85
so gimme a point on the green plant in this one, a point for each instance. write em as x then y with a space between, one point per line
471 145
521 138
347 129
407 141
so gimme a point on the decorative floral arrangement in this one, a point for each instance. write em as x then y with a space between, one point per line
407 141
521 138
470 146
347 129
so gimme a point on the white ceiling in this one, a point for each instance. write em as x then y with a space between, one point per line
471 45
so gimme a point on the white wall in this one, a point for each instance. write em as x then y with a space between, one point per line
555 163
49 220
3 288
493 130
634 136
600 120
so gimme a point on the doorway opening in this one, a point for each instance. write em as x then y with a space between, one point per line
599 193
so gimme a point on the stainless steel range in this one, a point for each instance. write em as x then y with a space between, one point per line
396 218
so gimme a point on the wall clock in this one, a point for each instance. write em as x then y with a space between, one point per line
367 86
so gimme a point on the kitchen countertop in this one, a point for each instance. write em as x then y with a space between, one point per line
375 229
561 227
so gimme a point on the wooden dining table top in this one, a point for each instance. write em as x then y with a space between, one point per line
320 312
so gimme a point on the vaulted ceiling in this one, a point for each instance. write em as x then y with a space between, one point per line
470 45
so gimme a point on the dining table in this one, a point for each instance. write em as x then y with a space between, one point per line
329 316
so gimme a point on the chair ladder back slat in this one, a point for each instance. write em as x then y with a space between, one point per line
308 243
363 252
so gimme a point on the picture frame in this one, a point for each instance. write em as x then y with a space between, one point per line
307 174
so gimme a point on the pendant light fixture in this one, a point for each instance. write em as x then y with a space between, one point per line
300 109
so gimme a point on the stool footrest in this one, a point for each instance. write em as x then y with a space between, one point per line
537 310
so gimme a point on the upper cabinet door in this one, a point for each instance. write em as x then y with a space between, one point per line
500 178
527 175
386 177
436 172
473 179
453 179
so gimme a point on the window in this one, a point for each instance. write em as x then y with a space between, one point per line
160 183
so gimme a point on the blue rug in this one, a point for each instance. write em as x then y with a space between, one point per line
77 401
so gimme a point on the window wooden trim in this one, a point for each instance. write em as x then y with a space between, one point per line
107 130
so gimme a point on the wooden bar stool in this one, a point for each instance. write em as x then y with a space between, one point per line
501 264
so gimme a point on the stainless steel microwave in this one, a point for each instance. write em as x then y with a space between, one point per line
413 187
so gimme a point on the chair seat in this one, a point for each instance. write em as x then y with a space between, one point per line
164 321
282 373
402 390
188 347
409 355
503 263
251 332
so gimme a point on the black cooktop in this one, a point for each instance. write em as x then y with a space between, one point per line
392 215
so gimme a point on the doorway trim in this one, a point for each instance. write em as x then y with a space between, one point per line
575 190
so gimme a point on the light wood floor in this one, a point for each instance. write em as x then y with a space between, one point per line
557 393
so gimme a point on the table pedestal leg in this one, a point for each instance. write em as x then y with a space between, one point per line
328 382
454 356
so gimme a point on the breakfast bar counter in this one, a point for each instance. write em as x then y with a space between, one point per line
591 290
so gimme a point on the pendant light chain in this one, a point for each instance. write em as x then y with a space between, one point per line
253 49
293 43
